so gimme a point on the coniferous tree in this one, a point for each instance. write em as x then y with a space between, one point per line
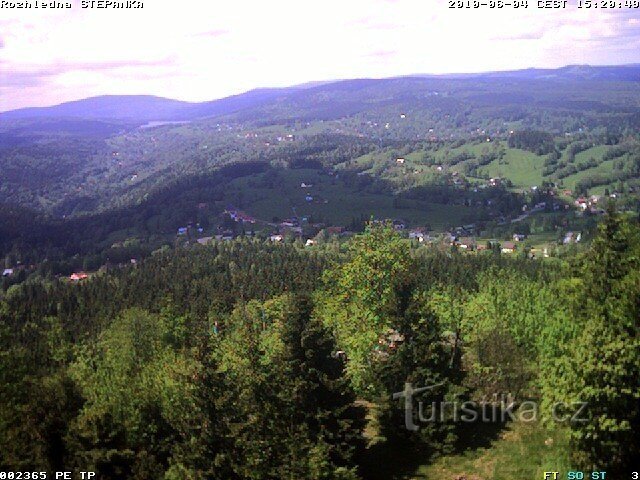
600 368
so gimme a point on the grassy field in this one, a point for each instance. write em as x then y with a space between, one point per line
603 168
333 202
523 168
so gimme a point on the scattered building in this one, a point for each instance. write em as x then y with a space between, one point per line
76 277
289 223
418 234
571 237
582 203
467 243
286 138
7 272
508 247
240 217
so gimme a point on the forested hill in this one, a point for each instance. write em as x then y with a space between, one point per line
345 97
251 360
108 107
144 108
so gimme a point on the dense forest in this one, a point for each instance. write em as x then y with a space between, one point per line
247 359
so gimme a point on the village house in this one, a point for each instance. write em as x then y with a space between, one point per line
76 277
276 238
582 203
519 237
418 234
467 243
508 247
286 138
7 272
240 217
400 161
571 237
288 223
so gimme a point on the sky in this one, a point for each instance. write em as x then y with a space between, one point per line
199 50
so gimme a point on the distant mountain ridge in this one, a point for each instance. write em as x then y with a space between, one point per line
143 108
106 107
623 73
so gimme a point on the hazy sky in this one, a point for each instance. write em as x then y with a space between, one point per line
205 49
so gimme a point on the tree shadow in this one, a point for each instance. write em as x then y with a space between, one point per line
479 434
390 461
387 460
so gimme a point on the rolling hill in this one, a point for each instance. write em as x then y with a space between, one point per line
576 87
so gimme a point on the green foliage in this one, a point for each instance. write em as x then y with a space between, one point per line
139 399
600 365
423 358
506 325
223 362
540 143
360 299
293 409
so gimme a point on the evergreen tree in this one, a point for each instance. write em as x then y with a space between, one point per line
601 367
